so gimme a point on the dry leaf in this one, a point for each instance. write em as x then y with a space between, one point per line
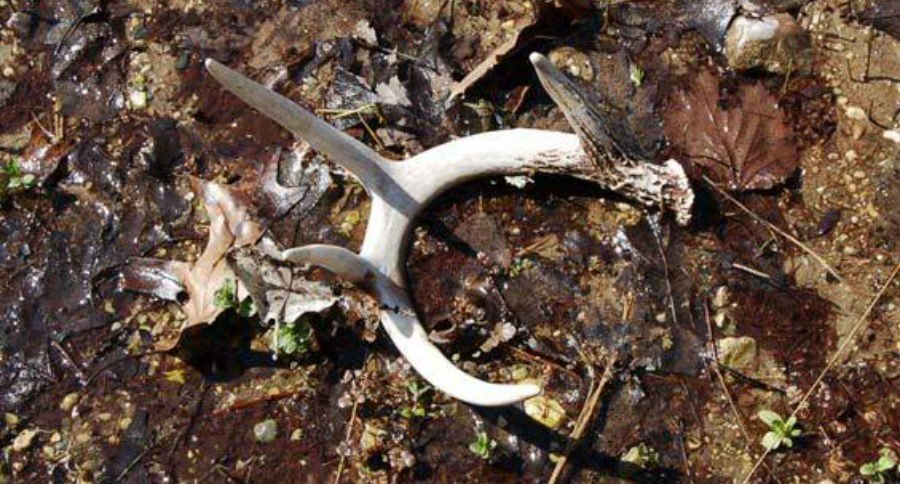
279 291
748 146
153 276
230 226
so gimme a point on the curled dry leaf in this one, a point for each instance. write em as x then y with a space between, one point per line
747 146
230 226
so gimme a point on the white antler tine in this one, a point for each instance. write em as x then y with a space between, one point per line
400 322
360 160
337 260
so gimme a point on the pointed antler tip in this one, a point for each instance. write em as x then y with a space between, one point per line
537 59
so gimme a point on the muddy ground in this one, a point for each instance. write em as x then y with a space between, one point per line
106 114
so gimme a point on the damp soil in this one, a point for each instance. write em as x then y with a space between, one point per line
542 279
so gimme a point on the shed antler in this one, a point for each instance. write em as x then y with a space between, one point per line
400 190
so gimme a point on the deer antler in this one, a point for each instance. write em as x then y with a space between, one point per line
400 190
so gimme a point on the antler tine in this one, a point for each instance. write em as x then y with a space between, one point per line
620 163
357 158
411 340
579 111
337 260
399 320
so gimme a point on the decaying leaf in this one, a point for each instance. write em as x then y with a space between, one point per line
230 226
884 15
153 276
268 200
746 146
280 292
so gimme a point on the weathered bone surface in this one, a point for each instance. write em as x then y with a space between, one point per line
400 190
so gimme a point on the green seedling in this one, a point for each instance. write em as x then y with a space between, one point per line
295 338
643 456
226 298
483 445
877 471
14 178
781 432
636 74
416 391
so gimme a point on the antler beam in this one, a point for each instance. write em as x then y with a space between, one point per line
400 190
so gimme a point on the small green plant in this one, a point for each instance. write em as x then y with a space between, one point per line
636 74
294 338
416 391
781 432
483 445
877 471
519 265
643 456
226 298
14 178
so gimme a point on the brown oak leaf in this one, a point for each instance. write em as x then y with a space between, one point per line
230 227
746 146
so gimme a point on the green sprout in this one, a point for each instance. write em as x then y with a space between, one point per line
780 431
643 456
877 471
416 391
294 338
226 296
519 265
483 445
15 179
636 74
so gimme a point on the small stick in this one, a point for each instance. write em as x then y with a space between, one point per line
751 270
774 228
834 359
340 469
737 413
587 414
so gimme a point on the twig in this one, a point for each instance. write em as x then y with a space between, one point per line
737 413
340 469
751 270
586 416
133 463
774 228
684 456
46 132
834 359
115 362
656 228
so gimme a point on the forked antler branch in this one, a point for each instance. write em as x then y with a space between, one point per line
400 190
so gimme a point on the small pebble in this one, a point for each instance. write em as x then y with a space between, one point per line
856 112
24 440
892 135
68 402
266 431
